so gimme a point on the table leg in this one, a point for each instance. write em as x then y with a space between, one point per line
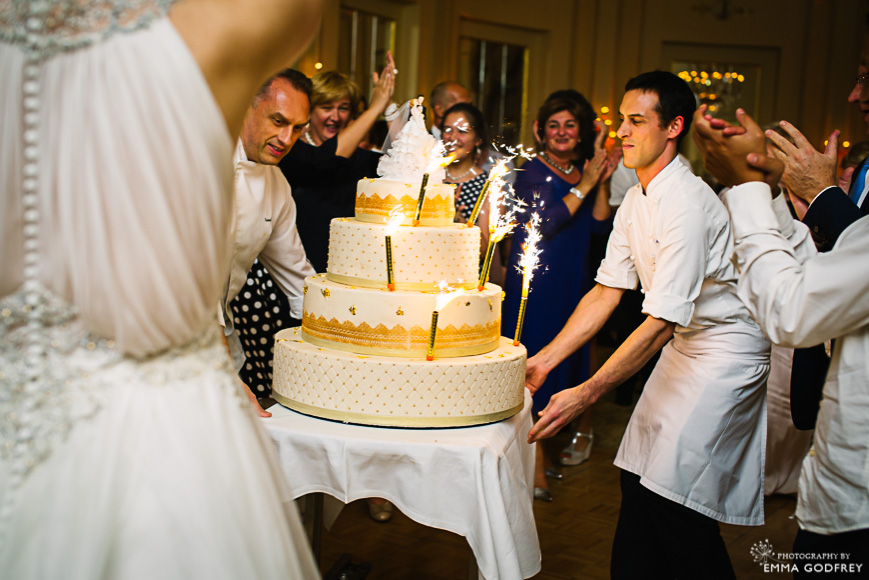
313 521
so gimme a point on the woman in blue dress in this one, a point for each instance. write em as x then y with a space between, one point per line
561 184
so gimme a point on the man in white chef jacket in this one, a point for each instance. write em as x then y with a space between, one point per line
264 224
802 298
692 454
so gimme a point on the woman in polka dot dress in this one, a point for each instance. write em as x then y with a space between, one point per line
262 310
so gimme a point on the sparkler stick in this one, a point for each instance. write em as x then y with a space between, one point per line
499 224
496 176
421 199
429 355
528 263
478 205
445 296
390 276
395 217
495 236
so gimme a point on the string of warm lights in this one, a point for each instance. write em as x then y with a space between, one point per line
713 87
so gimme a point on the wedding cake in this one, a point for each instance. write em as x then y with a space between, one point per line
360 354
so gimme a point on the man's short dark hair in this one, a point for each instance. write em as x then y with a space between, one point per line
297 79
675 98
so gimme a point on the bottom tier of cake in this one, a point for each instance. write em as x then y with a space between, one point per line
398 392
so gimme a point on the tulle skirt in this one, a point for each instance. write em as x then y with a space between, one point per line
172 478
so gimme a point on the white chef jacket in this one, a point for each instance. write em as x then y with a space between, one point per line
264 227
698 433
801 298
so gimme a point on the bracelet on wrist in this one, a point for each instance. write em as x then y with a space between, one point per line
579 195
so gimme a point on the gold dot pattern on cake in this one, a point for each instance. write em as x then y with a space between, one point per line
326 292
490 305
305 289
320 379
399 312
352 310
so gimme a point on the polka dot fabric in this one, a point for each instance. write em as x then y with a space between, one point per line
259 311
467 194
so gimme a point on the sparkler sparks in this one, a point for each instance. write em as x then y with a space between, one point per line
395 217
446 295
528 262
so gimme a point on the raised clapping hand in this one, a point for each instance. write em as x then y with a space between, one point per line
734 154
600 167
807 171
384 85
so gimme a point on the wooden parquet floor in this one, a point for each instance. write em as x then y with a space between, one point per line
575 530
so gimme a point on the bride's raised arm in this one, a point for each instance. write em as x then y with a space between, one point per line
240 43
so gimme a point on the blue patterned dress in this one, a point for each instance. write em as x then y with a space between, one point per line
561 280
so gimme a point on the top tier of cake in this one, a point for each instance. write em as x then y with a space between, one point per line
377 198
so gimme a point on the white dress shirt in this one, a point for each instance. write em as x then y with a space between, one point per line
801 298
264 227
697 434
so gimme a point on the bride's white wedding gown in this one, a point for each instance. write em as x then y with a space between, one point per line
127 449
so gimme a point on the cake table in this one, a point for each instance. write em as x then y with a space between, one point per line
474 481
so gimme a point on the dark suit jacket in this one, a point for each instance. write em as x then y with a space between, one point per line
831 213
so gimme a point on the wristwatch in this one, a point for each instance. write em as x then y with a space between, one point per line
579 195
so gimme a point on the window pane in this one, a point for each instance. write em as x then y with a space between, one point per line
495 73
368 38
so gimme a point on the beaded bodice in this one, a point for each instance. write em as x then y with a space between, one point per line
53 372
46 27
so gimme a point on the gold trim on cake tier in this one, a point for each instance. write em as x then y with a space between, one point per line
381 284
437 211
399 341
377 198
398 392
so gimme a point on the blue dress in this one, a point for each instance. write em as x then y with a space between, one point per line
561 280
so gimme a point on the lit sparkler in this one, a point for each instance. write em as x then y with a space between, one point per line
436 163
528 262
494 237
502 216
445 296
395 217
496 178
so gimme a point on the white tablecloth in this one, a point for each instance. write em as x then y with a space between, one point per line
474 481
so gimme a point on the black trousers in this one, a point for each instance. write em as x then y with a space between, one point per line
844 555
659 538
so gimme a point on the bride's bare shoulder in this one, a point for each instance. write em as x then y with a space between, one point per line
240 43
